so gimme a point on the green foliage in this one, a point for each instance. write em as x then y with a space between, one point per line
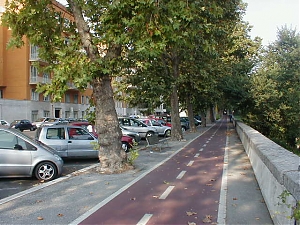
275 90
132 155
296 209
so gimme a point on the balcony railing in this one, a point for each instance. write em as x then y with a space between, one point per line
36 80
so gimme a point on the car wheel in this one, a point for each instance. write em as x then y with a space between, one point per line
125 146
149 134
168 133
183 129
45 171
20 130
32 129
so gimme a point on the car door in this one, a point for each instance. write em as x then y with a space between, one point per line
81 143
15 155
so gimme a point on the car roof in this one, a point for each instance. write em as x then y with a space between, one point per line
61 125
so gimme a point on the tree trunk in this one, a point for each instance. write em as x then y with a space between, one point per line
203 119
176 133
111 155
191 114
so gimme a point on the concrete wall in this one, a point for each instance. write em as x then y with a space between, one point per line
276 170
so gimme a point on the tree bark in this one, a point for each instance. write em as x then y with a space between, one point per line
191 114
176 133
111 155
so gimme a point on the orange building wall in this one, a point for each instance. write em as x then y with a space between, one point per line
16 71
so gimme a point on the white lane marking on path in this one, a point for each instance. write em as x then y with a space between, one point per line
167 192
197 155
223 193
201 149
181 174
145 219
207 142
204 145
190 163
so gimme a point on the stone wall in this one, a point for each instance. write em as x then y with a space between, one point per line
276 170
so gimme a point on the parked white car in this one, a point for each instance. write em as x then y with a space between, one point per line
4 123
137 126
161 129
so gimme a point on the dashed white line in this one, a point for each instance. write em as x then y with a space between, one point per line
204 145
190 163
145 219
197 155
201 149
167 192
181 174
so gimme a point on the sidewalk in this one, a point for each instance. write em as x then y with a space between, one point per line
66 199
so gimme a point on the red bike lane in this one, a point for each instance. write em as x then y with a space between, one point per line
183 190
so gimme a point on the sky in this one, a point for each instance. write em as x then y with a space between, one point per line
267 16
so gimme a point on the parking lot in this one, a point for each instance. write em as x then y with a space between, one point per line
10 186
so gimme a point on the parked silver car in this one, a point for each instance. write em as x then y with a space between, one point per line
161 129
137 126
22 156
135 135
68 141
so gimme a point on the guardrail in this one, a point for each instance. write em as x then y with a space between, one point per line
277 173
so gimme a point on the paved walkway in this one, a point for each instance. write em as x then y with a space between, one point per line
73 199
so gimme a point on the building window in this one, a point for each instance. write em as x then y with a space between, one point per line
1 93
87 100
46 78
46 98
34 52
33 74
82 99
76 114
67 114
34 115
67 98
34 95
76 99
46 113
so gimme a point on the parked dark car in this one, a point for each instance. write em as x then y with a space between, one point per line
185 125
22 156
23 125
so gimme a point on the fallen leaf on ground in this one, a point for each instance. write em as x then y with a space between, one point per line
155 196
191 213
235 199
208 184
132 199
207 219
192 223
40 218
60 215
